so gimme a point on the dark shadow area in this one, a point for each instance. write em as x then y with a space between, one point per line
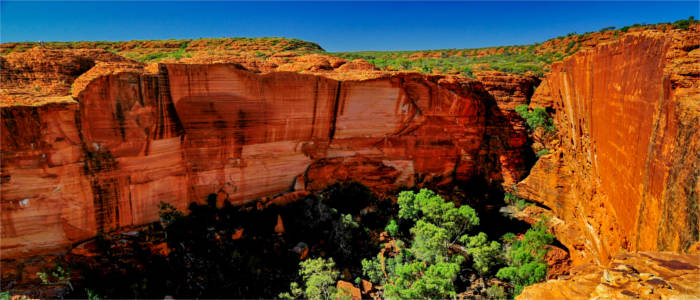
237 252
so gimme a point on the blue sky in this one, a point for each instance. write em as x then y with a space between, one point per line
336 26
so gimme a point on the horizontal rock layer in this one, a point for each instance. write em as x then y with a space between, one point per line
627 172
643 275
178 135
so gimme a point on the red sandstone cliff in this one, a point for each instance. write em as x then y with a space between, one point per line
626 174
179 132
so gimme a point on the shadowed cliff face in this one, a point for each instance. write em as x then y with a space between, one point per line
134 139
626 173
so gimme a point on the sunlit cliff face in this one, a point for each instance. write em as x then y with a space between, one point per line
626 173
134 139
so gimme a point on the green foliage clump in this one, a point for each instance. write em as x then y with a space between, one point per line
496 292
512 199
514 59
542 152
319 276
168 213
525 257
684 24
92 295
536 118
482 251
429 266
392 228
372 268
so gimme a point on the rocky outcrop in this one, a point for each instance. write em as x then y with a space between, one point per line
506 126
178 133
643 275
626 171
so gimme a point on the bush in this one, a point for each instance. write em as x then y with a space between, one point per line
684 24
319 276
536 118
525 258
168 213
542 152
392 228
570 46
496 292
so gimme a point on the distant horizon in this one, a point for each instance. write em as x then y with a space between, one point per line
335 26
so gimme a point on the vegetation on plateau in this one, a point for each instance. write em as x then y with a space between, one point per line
157 50
535 58
513 59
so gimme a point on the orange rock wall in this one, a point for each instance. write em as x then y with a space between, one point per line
134 139
627 174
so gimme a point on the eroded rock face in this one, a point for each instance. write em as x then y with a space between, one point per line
627 172
135 138
643 275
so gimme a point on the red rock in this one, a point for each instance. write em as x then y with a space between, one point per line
627 168
279 228
674 276
237 234
558 262
135 138
161 249
347 288
367 287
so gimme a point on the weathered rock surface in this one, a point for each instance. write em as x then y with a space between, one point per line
179 132
643 275
627 171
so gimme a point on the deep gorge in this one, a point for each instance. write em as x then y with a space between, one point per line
621 174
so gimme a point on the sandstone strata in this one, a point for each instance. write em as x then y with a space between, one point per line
644 275
131 137
625 174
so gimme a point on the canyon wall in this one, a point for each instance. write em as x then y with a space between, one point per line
134 137
625 174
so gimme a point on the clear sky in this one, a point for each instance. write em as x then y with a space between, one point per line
336 26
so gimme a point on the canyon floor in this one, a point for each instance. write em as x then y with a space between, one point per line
215 167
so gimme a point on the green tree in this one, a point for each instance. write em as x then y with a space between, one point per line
538 117
485 254
428 268
392 228
319 276
525 257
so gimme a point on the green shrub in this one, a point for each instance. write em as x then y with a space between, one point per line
519 203
168 213
319 276
536 118
92 295
150 57
684 24
392 228
542 152
525 257
496 292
